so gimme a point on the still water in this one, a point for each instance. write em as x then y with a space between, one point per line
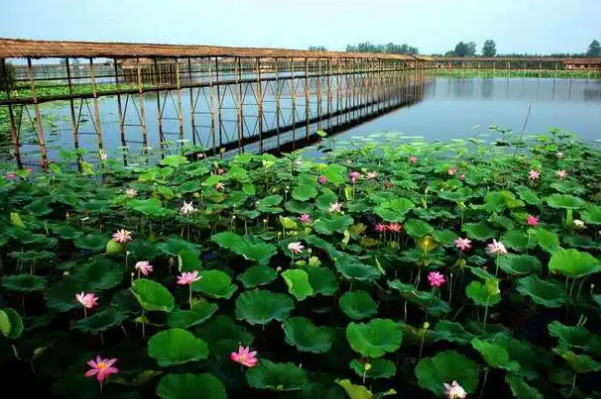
456 108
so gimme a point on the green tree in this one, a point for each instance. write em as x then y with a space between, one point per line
594 49
489 49
317 48
465 49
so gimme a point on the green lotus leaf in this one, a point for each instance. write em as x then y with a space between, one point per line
304 192
564 201
575 336
100 321
298 207
376 338
24 283
427 301
188 386
262 306
445 367
101 273
568 186
462 194
528 196
173 246
306 337
200 313
151 207
417 228
360 392
215 283
325 199
188 261
336 174
453 332
358 305
548 293
592 215
394 210
256 276
94 242
519 265
445 237
336 223
61 296
298 283
223 328
581 364
288 223
547 240
11 325
39 207
480 231
580 241
495 355
152 296
353 269
277 376
174 160
573 263
478 293
322 280
521 389
66 232
533 360
268 204
518 240
256 250
126 302
378 368
176 346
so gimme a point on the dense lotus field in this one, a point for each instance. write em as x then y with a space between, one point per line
412 271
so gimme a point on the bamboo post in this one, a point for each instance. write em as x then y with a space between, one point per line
120 112
142 109
240 106
219 117
293 100
307 99
96 105
338 89
14 135
159 110
180 108
212 105
192 102
74 122
318 89
278 94
259 98
329 77
38 116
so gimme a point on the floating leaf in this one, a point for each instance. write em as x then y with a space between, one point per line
433 372
215 283
306 337
100 321
298 283
375 338
358 305
304 192
152 296
395 210
200 313
518 265
417 228
101 273
176 346
268 204
564 201
518 240
329 226
94 242
262 306
378 368
254 250
61 296
256 276
24 283
322 280
188 386
573 263
352 269
277 376
427 301
480 231
549 293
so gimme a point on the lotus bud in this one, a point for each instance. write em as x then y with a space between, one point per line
278 269
171 262
233 217
426 325
265 221
367 366
66 274
196 195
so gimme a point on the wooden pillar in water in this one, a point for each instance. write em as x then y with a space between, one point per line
293 100
120 113
74 119
142 108
96 105
329 77
259 91
159 109
278 94
14 134
180 107
212 104
240 106
307 99
192 102
38 115
219 101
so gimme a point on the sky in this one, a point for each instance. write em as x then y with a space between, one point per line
434 26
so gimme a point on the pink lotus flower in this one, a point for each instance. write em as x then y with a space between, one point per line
436 279
413 159
29 170
533 174
336 207
220 171
323 179
11 176
371 175
122 236
381 228
562 174
305 218
454 391
532 221
245 357
144 267
104 156
88 301
395 227
296 247
462 177
131 192
187 278
452 171
354 176
496 248
463 243
101 368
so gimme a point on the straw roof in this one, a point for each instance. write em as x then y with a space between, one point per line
20 48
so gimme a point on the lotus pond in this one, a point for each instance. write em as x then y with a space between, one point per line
414 270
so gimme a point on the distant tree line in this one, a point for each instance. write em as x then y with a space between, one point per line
7 77
317 48
489 49
390 48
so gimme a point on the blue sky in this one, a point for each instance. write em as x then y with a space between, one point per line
434 26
